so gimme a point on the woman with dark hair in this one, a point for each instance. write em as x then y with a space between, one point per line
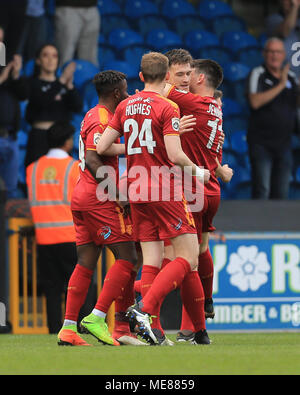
50 99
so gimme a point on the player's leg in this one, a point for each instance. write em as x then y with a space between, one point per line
118 287
206 274
79 283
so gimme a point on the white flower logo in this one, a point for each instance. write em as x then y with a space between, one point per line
248 268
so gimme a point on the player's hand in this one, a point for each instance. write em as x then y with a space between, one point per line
5 72
222 138
226 173
68 74
17 66
187 123
206 176
285 74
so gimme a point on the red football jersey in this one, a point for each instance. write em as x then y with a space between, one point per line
93 125
144 119
202 144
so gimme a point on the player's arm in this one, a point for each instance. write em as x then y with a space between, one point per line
179 158
224 172
259 99
114 149
106 143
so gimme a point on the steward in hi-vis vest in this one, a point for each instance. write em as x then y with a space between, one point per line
50 182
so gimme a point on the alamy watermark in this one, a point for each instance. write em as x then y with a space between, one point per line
159 183
2 55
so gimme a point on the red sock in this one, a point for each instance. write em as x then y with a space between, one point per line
115 282
192 297
147 277
122 303
78 287
137 286
186 322
149 274
206 272
167 280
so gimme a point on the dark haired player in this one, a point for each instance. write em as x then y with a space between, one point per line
97 223
203 147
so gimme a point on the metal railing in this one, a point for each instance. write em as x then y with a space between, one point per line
27 304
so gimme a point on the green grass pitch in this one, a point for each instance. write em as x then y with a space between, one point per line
229 354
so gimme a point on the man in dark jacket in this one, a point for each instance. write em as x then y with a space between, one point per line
273 95
77 27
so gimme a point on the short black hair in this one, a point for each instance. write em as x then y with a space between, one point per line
59 133
212 70
179 56
107 81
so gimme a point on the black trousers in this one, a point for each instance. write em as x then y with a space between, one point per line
56 263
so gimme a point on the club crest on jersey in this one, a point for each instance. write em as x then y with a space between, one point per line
97 137
179 225
175 124
105 232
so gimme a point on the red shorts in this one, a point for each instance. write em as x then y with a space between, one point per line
161 220
204 218
105 225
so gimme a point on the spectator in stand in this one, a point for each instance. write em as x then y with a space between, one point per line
12 90
50 98
77 28
12 19
285 24
35 29
273 94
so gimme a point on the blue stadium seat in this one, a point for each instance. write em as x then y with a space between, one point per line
294 192
241 176
84 71
130 70
210 9
236 41
242 191
28 68
235 71
150 23
113 22
234 123
22 138
134 84
187 23
227 23
162 40
218 54
139 9
234 84
106 53
109 8
177 8
90 98
122 38
230 159
297 175
239 142
231 107
22 171
251 57
134 53
199 39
